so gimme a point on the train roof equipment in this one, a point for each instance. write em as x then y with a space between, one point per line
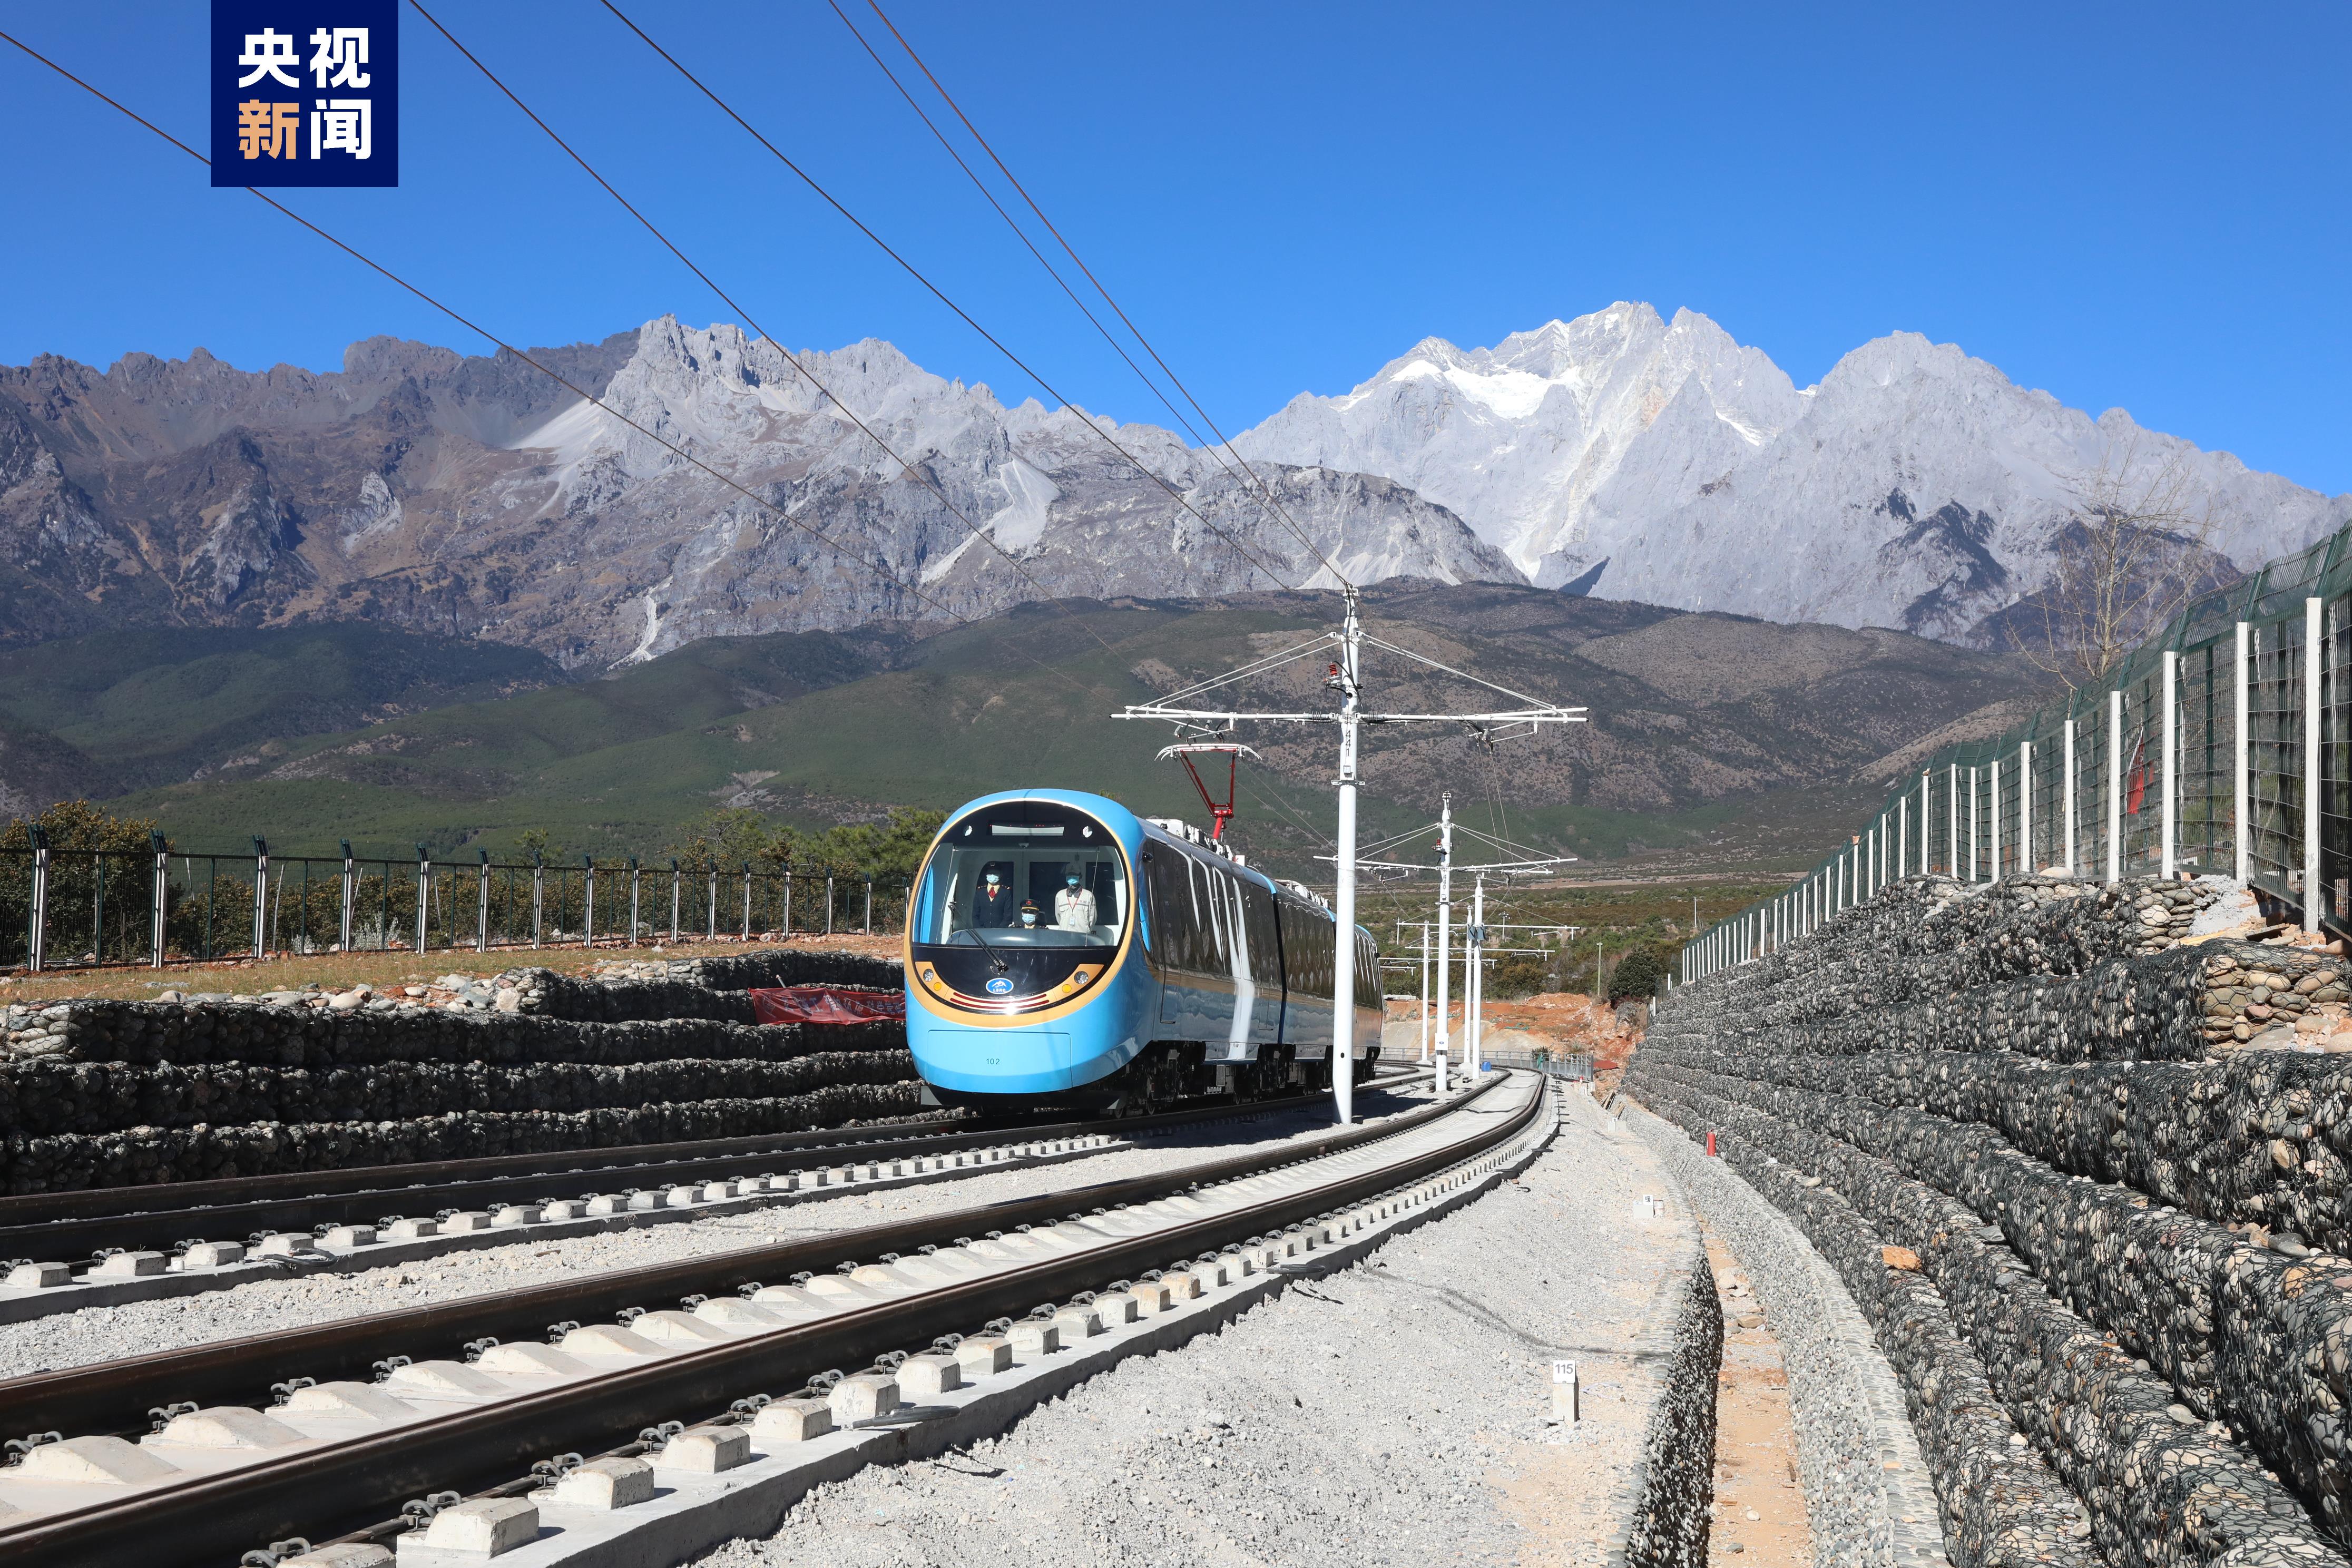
1233 751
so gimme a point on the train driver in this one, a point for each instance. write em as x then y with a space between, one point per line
1029 914
1074 906
991 905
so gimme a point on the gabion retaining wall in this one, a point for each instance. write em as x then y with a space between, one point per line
107 1093
1869 1499
2117 1227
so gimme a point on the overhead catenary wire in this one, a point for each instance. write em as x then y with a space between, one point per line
1256 666
1273 800
556 376
905 467
939 294
1272 502
1018 232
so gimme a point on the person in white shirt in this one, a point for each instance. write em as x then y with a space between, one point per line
1074 906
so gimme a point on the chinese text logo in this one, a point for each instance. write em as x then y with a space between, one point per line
306 94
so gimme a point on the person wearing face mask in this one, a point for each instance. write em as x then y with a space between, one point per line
1028 915
1074 906
993 901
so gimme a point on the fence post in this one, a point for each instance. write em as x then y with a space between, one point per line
588 899
2070 796
2114 785
677 888
1994 813
350 899
2312 718
162 895
1975 826
1927 833
870 903
537 898
828 903
713 932
482 906
2167 709
747 901
788 900
260 895
633 900
1952 827
38 918
423 893
2025 808
2238 815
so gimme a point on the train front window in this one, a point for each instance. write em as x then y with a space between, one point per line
1025 875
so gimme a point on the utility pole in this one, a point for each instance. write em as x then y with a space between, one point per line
1424 994
1345 679
1343 903
1444 929
1474 984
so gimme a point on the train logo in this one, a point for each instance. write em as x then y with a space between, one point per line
1000 986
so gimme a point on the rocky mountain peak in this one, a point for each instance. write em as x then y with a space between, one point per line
474 496
1661 460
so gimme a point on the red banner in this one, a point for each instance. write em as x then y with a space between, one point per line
825 1005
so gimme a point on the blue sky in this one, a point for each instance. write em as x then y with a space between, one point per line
2142 206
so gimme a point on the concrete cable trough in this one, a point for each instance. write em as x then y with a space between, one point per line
340 1452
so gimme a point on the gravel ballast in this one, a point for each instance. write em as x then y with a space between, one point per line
1394 1412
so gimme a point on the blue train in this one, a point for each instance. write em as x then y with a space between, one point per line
1061 949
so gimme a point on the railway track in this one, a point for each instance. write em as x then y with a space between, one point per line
422 1405
173 1234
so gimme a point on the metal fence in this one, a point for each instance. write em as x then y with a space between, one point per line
63 906
2223 745
1575 1067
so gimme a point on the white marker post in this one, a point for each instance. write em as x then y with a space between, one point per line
1567 1406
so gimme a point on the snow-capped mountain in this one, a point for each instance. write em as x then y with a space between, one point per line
1618 453
1625 455
474 496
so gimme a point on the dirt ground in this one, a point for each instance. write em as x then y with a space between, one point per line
381 970
1760 1508
1565 1022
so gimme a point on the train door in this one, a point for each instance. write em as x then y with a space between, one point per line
1168 873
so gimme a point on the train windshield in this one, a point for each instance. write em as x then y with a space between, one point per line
1024 874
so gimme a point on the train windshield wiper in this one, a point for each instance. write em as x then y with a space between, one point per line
995 963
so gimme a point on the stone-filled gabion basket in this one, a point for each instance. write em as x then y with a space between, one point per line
106 1093
2086 1175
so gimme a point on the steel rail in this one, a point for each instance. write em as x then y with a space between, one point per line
354 1484
78 1224
116 1396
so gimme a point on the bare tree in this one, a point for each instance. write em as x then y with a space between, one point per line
2135 547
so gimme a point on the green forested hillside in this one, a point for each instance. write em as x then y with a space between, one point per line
1697 721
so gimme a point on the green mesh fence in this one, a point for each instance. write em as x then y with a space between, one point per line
1987 809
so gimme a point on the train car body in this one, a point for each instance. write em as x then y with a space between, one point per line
1062 950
